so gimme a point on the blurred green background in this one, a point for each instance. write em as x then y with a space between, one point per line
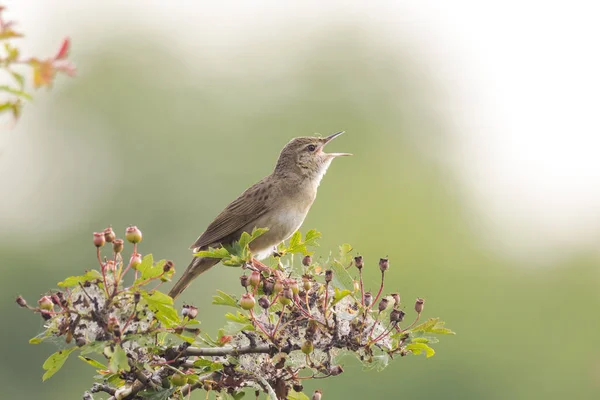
145 136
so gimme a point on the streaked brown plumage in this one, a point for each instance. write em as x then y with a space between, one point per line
280 202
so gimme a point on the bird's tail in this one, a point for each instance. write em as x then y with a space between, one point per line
196 267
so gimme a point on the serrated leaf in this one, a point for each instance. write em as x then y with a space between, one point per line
237 317
238 395
76 280
220 252
311 237
118 360
339 295
149 269
418 348
232 328
293 395
345 256
208 365
433 325
92 362
162 306
223 299
55 362
341 277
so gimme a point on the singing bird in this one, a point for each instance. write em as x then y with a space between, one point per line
279 202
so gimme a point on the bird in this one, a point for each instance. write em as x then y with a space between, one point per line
279 202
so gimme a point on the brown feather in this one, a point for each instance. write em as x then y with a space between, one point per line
248 207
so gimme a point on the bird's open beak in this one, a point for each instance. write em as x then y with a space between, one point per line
329 139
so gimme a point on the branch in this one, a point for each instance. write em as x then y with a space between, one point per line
233 351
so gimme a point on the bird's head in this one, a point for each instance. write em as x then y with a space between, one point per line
306 156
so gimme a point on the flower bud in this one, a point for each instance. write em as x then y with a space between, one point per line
135 261
307 347
109 235
396 316
335 370
117 245
21 301
268 286
368 299
419 305
45 303
383 303
328 275
179 379
133 234
136 297
287 296
46 315
244 281
307 260
247 301
278 288
358 262
384 264
99 239
294 286
264 303
168 266
316 395
254 278
306 283
396 297
192 312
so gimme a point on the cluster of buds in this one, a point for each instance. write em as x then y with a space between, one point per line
300 322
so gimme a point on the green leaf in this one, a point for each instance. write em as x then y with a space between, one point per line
238 395
345 256
92 362
40 338
341 277
149 270
223 299
339 295
162 306
76 280
310 239
158 394
208 365
232 328
238 317
433 325
55 362
418 348
118 360
295 240
19 78
220 252
293 395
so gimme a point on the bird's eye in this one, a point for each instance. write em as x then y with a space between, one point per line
311 147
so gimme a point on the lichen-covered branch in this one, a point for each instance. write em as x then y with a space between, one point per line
307 316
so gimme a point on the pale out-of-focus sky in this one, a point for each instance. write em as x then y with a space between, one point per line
520 80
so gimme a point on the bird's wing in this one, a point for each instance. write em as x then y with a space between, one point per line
249 206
